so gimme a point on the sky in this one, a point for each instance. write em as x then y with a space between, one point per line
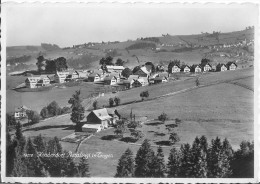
69 24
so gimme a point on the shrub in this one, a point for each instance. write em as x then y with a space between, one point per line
117 101
174 138
144 94
111 102
163 117
95 104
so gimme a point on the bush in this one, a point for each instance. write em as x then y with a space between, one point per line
111 102
144 94
163 117
174 138
117 101
95 104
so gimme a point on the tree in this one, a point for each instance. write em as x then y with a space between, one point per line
53 109
117 101
120 127
172 63
186 165
40 63
144 94
199 159
125 167
173 163
111 102
243 161
95 104
126 72
10 120
40 145
174 138
33 116
136 69
83 168
197 81
204 61
137 134
163 117
143 160
44 113
78 110
151 65
158 169
60 64
218 162
119 62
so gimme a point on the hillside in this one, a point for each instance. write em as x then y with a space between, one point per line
190 49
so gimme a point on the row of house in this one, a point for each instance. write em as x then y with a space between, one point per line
59 77
202 68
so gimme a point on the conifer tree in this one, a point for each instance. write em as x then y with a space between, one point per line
186 157
218 161
83 168
143 160
199 159
40 145
158 166
125 166
19 137
10 154
173 164
19 169
78 110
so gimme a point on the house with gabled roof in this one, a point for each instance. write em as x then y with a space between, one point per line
136 83
111 80
196 68
101 117
160 79
60 77
185 68
37 81
20 112
221 67
207 67
176 68
94 77
231 65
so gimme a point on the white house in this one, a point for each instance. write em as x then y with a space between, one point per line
207 67
94 77
111 80
115 68
185 68
176 69
60 77
20 112
37 81
231 65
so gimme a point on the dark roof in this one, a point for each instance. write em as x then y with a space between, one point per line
231 62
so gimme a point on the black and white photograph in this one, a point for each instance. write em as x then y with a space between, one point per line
129 92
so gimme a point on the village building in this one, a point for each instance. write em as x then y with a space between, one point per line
94 77
136 84
221 67
231 66
111 80
160 79
20 112
60 77
144 71
185 69
207 67
112 68
98 120
37 81
196 68
176 68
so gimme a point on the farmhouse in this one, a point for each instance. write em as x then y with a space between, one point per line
143 81
110 80
221 67
94 77
37 81
60 77
231 65
196 68
185 69
176 68
111 68
20 112
100 117
136 83
207 67
143 72
160 79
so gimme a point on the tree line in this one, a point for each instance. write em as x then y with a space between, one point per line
27 158
199 160
49 65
